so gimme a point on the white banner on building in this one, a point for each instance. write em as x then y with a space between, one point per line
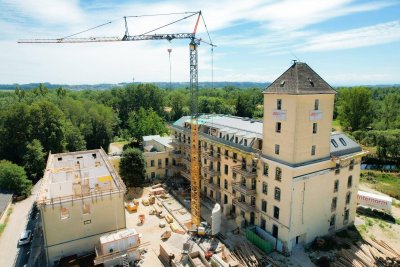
315 115
279 115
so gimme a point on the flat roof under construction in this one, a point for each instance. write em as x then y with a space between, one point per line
76 175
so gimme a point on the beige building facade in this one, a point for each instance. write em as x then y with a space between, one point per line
81 199
157 152
289 174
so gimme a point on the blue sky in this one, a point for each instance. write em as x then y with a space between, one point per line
347 42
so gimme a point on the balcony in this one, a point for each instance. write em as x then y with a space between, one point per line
246 172
243 205
214 186
211 155
238 187
210 172
176 154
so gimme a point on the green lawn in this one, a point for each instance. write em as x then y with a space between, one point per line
387 183
336 125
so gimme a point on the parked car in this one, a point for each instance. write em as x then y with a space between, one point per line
25 238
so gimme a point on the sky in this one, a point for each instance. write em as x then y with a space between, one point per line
347 42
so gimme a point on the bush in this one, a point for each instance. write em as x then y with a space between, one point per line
13 179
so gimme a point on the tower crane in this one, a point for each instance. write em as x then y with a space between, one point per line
194 87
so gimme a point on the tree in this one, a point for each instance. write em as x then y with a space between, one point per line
42 89
390 111
244 106
132 167
15 132
73 137
20 93
145 122
34 160
355 108
61 92
13 178
177 104
48 126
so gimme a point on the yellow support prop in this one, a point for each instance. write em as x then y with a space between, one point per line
195 174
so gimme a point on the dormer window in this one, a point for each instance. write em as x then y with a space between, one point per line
282 83
311 82
342 141
334 143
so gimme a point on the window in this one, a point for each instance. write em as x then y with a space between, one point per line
334 143
211 194
253 184
220 135
166 162
264 205
278 127
64 213
346 216
282 83
243 182
242 198
332 221
253 201
277 149
348 198
350 181
152 163
278 174
85 208
334 204
336 186
275 230
351 166
218 166
266 169
225 199
313 150
153 175
276 212
337 168
277 194
245 142
225 184
159 163
263 224
234 175
226 169
236 139
342 141
227 137
235 156
314 128
205 190
265 188
226 152
316 104
279 104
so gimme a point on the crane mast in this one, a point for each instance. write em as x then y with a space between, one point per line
194 86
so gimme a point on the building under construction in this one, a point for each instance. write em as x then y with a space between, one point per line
288 175
80 200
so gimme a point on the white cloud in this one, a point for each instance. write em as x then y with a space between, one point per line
360 37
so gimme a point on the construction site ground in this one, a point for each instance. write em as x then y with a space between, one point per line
177 205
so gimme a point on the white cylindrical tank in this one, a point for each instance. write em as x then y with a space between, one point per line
216 219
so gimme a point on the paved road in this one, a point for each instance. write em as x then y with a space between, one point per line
16 224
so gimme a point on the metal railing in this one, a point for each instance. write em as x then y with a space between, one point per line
210 172
243 205
247 172
237 186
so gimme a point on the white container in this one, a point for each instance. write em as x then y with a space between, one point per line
216 219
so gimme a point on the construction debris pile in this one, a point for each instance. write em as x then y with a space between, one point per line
368 254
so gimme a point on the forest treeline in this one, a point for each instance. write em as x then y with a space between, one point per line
34 122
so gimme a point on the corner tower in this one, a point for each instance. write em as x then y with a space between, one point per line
298 111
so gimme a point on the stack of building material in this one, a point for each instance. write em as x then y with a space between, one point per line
368 254
249 256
